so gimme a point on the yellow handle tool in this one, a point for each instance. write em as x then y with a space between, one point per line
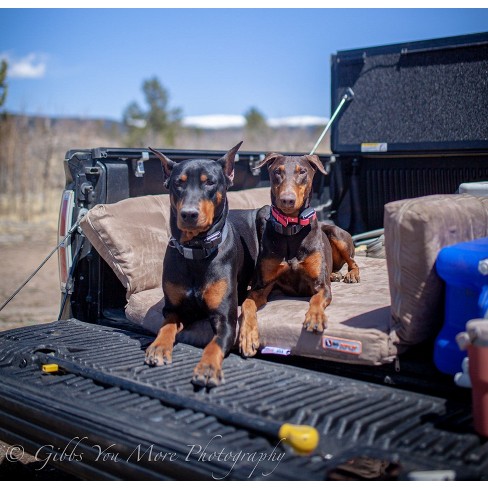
303 438
50 368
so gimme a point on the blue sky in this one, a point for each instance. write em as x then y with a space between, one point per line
92 62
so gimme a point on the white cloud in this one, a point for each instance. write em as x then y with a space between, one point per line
31 66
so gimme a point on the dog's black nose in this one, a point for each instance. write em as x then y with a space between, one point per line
288 199
189 215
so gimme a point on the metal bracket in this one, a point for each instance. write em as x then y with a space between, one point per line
139 168
255 171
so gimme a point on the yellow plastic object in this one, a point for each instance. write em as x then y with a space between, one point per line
303 438
50 368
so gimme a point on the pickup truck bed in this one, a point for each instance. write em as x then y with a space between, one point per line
106 415
109 416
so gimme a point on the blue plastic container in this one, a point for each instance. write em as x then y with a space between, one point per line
466 297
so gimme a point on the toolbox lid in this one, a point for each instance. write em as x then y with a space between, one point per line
416 97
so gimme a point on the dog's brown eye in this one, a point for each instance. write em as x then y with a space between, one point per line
303 171
277 172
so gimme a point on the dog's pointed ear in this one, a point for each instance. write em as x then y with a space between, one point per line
270 157
227 161
314 160
167 163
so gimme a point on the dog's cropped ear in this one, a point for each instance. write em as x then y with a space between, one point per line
167 164
227 161
270 157
314 160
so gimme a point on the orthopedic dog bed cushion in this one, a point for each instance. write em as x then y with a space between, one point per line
415 231
132 236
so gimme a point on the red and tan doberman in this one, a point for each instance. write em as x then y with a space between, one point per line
297 254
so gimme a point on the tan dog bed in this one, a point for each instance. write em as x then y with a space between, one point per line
132 235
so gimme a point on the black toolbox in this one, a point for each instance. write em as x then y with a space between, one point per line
418 124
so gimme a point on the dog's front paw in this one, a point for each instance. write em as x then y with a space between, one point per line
334 277
208 371
315 320
352 276
157 354
207 375
248 337
161 350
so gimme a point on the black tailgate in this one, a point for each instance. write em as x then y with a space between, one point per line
106 416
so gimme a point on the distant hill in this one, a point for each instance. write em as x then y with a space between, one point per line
209 122
103 123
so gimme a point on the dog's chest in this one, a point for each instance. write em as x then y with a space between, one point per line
294 279
193 295
296 275
293 264
306 267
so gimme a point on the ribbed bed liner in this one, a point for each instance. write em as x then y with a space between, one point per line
110 397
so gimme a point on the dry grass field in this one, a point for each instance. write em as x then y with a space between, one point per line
23 246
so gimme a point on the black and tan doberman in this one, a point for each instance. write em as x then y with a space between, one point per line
209 262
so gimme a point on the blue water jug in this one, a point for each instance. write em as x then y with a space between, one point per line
464 268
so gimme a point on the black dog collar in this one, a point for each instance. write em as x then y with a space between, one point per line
201 248
290 226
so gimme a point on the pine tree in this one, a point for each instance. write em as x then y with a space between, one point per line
157 121
3 83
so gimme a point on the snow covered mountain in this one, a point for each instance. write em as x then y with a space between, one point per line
221 121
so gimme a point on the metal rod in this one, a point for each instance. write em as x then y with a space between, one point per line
349 95
69 281
368 235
